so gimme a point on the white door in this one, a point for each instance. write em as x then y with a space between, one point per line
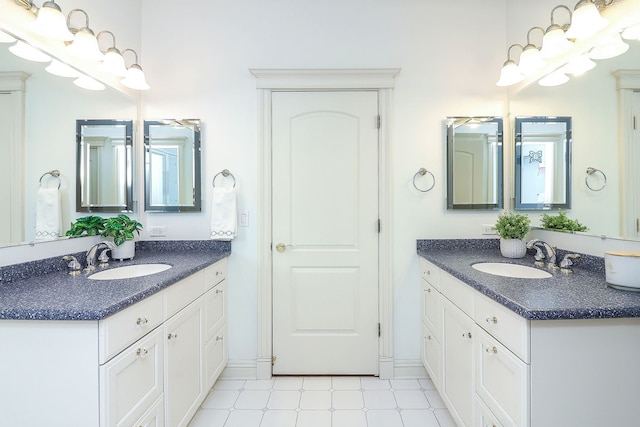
325 232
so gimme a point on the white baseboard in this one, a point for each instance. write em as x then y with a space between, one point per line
408 369
240 369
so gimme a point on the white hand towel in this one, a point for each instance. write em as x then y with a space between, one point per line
223 214
48 214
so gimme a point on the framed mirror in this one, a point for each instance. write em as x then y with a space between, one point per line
474 163
543 163
104 172
172 165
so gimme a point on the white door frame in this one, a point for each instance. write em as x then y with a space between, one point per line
268 81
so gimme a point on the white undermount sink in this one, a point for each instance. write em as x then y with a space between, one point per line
129 271
511 270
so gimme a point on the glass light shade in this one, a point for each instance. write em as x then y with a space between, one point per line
114 63
85 45
579 65
609 48
87 82
530 60
556 78
510 74
585 21
6 38
52 23
554 42
28 52
61 69
135 78
632 33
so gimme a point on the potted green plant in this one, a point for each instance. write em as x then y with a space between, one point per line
86 226
561 222
512 229
121 229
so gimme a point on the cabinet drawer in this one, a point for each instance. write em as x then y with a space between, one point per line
154 417
501 381
432 308
511 330
430 273
123 328
215 274
457 292
215 309
132 381
181 294
215 357
484 417
432 355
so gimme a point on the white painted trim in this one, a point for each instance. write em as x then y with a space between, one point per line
627 82
14 84
409 369
267 81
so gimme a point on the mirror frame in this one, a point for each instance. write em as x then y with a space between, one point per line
450 123
129 157
519 205
194 124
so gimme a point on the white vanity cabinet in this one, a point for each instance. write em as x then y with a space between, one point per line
151 364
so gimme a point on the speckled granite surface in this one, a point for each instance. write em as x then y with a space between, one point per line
55 295
582 294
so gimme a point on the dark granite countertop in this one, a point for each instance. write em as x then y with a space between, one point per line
583 294
59 296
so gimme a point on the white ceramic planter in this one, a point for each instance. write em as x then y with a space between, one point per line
127 250
513 248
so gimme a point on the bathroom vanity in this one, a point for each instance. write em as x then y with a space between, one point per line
502 351
131 352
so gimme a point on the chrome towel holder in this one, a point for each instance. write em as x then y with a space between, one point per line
51 174
591 173
225 173
423 172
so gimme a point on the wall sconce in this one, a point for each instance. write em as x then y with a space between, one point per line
113 60
586 20
530 58
85 43
50 22
554 42
135 76
510 73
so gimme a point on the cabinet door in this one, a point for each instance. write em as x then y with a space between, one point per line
132 381
432 355
458 391
432 309
215 357
183 364
502 380
216 309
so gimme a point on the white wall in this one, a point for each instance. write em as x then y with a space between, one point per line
197 58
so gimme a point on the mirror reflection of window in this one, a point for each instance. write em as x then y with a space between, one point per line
542 162
474 161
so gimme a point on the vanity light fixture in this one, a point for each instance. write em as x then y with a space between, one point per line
28 52
610 47
530 58
554 42
586 20
85 43
89 83
61 69
113 62
135 76
51 22
510 73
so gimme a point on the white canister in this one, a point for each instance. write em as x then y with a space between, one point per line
622 269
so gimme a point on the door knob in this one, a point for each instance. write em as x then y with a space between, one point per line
281 247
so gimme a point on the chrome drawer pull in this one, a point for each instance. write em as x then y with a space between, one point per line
429 290
466 335
493 319
142 352
493 350
172 336
219 338
142 321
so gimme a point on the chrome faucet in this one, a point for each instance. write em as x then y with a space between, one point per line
73 266
91 255
550 252
566 262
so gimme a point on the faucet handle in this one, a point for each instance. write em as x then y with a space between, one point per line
73 265
104 258
566 261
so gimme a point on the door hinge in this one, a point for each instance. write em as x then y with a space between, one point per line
637 225
273 360
379 121
379 329
635 123
379 225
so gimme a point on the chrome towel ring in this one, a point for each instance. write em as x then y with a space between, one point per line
225 173
423 172
51 174
591 173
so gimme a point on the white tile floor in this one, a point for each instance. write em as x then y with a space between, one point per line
323 402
